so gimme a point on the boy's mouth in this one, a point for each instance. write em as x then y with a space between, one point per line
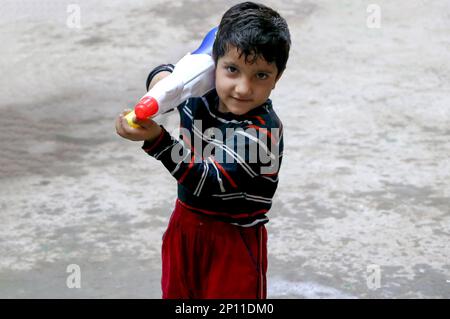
241 100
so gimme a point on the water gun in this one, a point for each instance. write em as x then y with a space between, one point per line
193 76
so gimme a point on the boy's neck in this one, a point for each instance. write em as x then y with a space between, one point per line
221 108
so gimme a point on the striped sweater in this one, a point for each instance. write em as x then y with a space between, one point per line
226 165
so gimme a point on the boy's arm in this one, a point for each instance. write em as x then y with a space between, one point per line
158 77
213 174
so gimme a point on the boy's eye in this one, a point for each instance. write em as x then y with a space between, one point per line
262 76
231 69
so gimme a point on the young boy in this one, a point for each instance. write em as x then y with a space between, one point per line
215 245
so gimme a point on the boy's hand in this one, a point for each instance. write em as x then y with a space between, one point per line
149 129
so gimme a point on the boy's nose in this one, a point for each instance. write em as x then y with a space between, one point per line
243 88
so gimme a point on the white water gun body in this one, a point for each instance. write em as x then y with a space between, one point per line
193 76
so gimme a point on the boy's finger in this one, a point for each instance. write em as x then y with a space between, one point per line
126 128
144 123
118 124
123 124
126 111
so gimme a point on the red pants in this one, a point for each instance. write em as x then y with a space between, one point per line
206 258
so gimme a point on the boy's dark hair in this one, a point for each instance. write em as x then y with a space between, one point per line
256 30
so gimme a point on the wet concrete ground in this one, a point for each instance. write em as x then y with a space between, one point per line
364 183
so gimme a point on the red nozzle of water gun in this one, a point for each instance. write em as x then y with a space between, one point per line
147 107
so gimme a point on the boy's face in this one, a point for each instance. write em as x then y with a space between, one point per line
242 86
